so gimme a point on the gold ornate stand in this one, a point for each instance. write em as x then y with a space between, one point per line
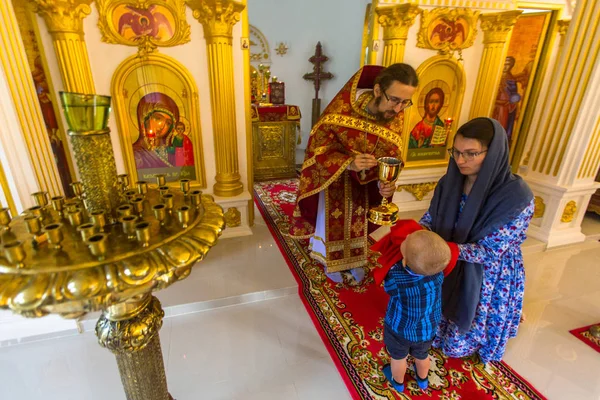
107 249
134 340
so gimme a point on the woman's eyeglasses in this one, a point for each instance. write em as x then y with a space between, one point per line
467 155
395 101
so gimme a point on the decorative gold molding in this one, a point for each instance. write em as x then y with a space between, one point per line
496 29
63 16
497 26
180 32
419 190
233 217
218 18
25 100
64 19
540 207
190 98
485 4
396 21
447 16
569 212
563 26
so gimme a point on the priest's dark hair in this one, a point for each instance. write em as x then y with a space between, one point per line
400 72
481 129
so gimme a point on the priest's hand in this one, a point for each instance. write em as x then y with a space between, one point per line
362 162
386 189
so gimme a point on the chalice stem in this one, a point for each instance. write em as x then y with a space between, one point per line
130 331
384 202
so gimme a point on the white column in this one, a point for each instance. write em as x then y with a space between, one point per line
565 155
18 169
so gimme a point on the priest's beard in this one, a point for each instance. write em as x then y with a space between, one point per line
380 116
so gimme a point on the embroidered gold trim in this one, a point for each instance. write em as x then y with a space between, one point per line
347 121
340 171
360 104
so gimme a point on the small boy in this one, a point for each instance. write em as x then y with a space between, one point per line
414 283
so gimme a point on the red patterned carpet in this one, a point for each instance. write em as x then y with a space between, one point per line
586 337
349 320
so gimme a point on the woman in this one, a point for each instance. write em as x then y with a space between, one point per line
483 207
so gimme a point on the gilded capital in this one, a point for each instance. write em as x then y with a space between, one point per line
397 20
132 334
497 26
563 26
63 15
216 16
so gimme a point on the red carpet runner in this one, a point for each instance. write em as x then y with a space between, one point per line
349 320
586 337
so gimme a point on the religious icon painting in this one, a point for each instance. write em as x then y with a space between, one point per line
447 29
429 124
157 111
519 70
131 22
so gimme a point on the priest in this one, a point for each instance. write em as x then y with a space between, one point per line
339 177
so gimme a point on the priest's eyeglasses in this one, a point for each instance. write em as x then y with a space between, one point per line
467 155
395 101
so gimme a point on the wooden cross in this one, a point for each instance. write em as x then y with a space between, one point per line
317 76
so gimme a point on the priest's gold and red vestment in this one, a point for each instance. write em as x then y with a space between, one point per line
332 202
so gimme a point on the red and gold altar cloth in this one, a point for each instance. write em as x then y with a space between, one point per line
274 113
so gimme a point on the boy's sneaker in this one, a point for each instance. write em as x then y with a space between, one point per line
423 383
387 371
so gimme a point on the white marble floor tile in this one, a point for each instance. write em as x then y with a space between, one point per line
234 267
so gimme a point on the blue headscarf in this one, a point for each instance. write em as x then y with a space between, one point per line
497 197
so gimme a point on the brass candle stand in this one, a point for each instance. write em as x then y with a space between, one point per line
107 249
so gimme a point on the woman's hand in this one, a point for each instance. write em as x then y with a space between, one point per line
387 189
362 162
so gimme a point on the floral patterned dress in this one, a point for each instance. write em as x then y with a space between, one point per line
499 311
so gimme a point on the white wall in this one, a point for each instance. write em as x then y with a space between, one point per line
337 24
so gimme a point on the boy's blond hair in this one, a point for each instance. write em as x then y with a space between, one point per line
426 253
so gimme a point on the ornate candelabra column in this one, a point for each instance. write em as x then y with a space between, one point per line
396 22
72 256
24 97
496 31
64 19
218 18
565 153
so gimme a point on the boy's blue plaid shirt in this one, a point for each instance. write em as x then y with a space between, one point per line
415 307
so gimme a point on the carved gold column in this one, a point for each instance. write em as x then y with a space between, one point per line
496 29
565 155
218 18
64 19
26 105
130 331
396 22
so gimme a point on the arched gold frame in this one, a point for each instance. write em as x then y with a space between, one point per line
129 66
455 110
106 8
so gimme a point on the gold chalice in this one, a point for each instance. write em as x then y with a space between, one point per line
386 213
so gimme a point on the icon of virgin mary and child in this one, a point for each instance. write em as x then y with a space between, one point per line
164 140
